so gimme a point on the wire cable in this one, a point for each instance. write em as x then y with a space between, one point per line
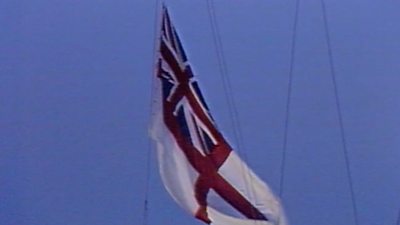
150 143
339 112
222 65
228 91
289 97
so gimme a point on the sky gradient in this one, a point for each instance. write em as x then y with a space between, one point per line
75 85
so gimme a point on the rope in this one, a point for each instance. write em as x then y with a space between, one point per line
339 112
289 97
228 91
150 143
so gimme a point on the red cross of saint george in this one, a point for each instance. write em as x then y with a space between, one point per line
207 165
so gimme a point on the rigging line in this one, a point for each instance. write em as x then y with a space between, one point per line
223 72
289 98
151 109
398 218
339 112
228 91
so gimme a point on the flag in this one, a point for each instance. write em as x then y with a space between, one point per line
197 165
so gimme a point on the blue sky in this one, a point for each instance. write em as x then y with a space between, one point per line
75 96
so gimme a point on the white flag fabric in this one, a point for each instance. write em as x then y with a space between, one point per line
197 165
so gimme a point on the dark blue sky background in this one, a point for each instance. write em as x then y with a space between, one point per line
75 96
